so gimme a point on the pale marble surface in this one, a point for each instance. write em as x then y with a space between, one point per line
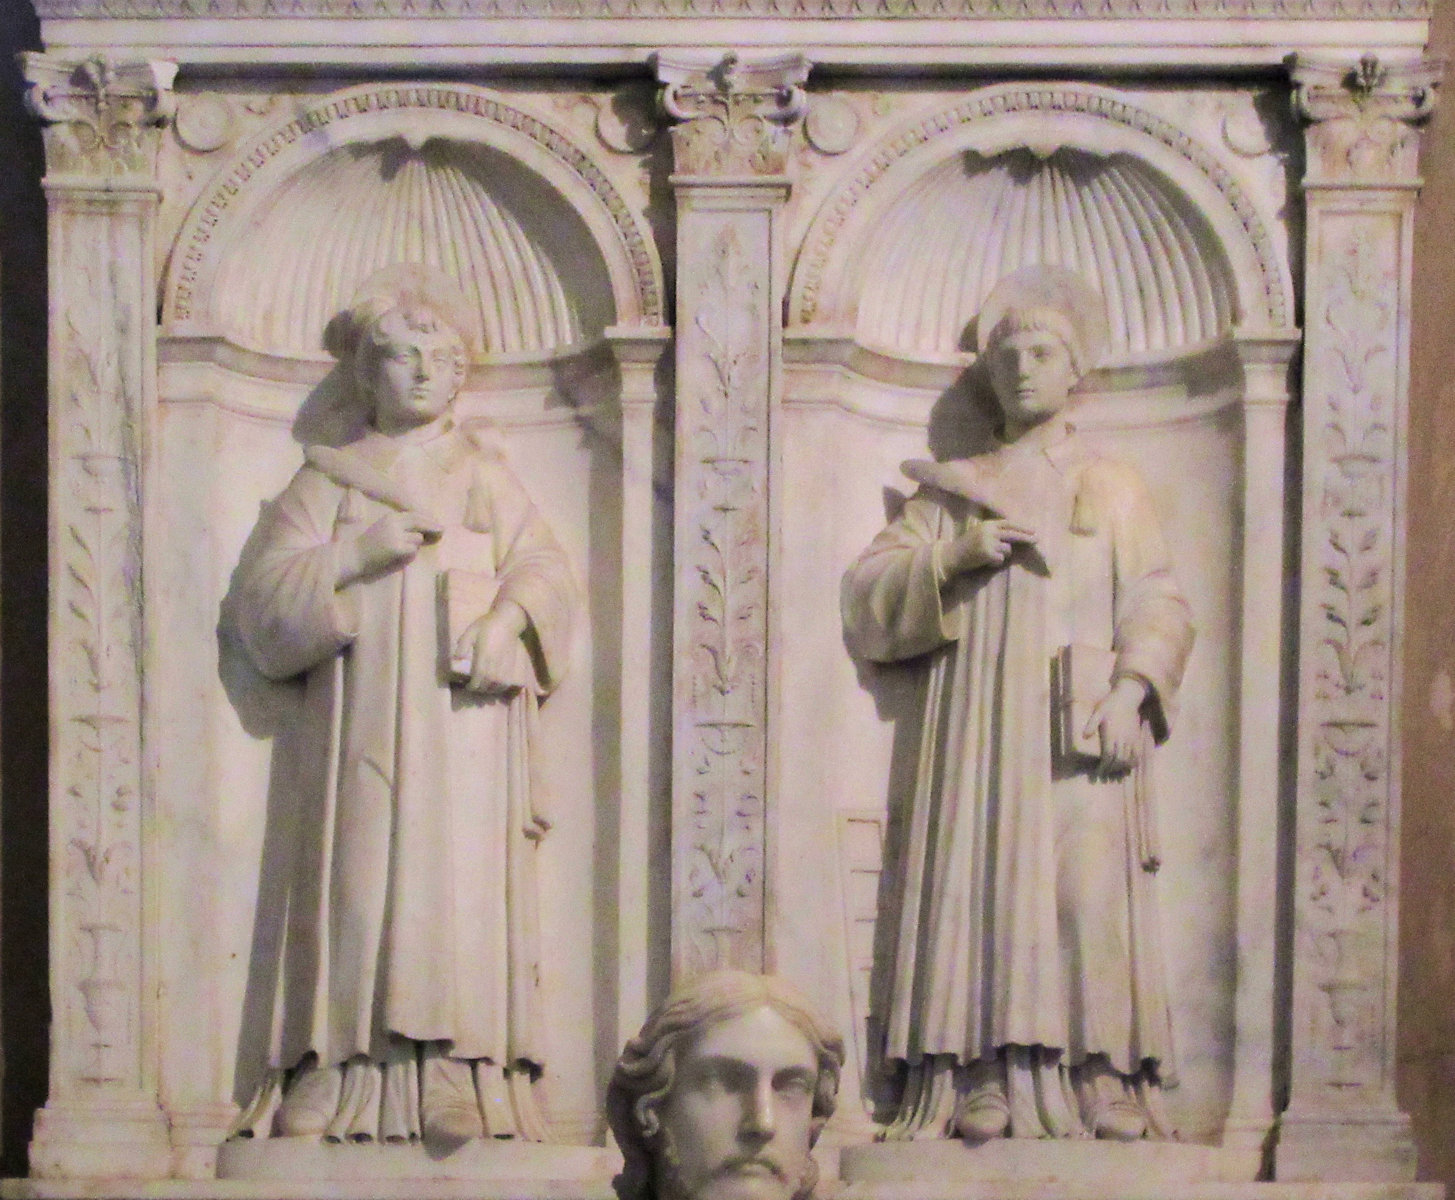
217 195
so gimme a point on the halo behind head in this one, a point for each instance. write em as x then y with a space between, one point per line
1045 288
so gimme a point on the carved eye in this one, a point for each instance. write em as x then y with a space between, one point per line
793 1084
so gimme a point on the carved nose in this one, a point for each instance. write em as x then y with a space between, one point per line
759 1116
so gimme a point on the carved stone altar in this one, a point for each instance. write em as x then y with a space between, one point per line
726 262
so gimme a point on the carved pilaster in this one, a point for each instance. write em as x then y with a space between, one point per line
102 118
730 154
102 1116
735 116
1342 1121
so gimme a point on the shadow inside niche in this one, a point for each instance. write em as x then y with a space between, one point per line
329 415
273 712
963 420
590 385
961 424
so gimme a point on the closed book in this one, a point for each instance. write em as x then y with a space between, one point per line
1080 679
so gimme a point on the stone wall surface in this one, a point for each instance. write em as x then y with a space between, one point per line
727 271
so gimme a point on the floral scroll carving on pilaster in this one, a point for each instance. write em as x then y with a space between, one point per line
98 674
723 424
736 118
1365 118
1362 177
1347 848
102 117
738 121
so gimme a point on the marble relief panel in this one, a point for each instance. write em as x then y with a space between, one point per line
907 203
271 238
879 375
917 322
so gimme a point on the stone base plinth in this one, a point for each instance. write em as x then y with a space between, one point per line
1092 1188
1011 1169
1357 1147
465 1189
307 1169
308 1189
484 1162
947 1165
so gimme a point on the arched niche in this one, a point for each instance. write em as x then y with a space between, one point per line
949 202
551 255
895 265
446 174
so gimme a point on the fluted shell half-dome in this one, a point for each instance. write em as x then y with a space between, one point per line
972 221
521 254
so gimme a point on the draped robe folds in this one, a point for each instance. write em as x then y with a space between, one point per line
1028 909
411 900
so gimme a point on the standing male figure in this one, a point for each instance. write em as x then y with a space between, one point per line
724 1092
410 580
1028 994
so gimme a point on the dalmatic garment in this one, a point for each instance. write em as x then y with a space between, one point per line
1028 909
411 900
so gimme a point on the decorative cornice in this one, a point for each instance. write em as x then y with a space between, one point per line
1129 10
1364 118
735 115
102 117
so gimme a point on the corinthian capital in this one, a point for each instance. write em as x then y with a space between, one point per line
735 114
1364 117
102 117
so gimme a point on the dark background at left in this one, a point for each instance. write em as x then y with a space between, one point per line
24 994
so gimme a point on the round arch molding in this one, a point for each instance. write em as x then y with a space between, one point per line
950 201
452 175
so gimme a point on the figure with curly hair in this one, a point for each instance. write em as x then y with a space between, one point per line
723 1093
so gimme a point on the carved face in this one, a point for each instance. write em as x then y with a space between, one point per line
413 374
1032 374
737 1123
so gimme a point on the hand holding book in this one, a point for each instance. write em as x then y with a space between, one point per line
1116 722
486 653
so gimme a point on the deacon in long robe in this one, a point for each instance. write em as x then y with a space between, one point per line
1028 942
412 898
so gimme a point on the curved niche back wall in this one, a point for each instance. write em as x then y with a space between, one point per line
525 258
973 220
